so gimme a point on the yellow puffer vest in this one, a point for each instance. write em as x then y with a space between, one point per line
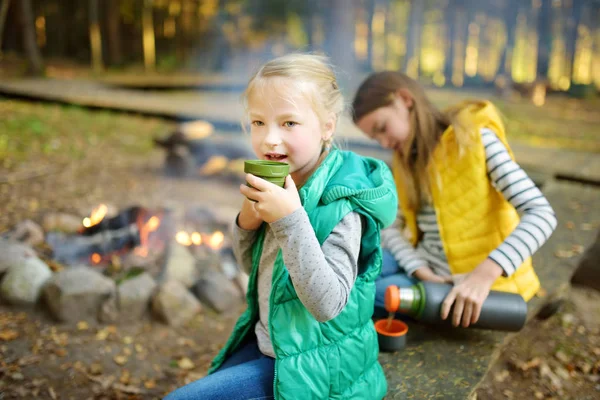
473 217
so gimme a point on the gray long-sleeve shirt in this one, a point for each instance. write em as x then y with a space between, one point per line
323 276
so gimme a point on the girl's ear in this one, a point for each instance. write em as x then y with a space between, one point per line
329 127
404 96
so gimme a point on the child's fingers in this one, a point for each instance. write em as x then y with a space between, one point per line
289 183
447 304
250 193
459 305
259 183
467 313
476 312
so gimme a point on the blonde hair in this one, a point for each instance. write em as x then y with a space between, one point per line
427 123
312 76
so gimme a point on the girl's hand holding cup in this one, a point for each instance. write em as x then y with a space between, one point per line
271 201
248 218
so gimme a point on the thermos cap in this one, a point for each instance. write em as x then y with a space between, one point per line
392 298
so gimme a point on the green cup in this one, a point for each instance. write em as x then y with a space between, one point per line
272 171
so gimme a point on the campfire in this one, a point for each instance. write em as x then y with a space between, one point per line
138 237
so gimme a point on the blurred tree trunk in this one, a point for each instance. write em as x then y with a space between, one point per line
413 39
34 57
148 36
341 35
113 25
3 14
450 21
95 36
573 21
511 14
545 36
370 14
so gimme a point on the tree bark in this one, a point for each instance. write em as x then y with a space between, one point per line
95 36
34 57
148 37
545 35
511 14
113 25
3 14
451 12
341 35
413 40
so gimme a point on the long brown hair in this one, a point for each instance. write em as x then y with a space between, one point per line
427 123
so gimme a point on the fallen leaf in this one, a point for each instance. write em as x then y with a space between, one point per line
185 363
577 249
564 253
139 348
570 225
562 356
127 351
82 326
60 352
127 340
501 376
127 389
150 384
17 376
533 363
96 369
102 334
52 393
29 359
125 377
8 334
586 227
120 360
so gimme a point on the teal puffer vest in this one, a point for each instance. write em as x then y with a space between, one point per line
336 359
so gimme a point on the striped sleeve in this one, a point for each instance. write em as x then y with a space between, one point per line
538 220
404 253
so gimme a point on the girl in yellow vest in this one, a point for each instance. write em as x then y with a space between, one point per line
460 193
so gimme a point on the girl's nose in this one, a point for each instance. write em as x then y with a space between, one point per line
273 137
384 142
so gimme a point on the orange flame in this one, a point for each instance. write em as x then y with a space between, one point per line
216 240
183 238
96 216
196 238
150 226
96 258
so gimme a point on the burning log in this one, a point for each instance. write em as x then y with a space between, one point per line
135 231
70 250
125 218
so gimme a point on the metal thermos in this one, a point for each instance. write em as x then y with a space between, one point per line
500 311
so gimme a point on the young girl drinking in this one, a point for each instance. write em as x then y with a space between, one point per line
312 250
460 192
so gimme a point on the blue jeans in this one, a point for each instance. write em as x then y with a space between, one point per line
247 374
390 275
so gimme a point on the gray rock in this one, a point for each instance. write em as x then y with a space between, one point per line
27 232
63 222
134 296
109 311
13 253
24 281
181 265
217 292
77 293
174 304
